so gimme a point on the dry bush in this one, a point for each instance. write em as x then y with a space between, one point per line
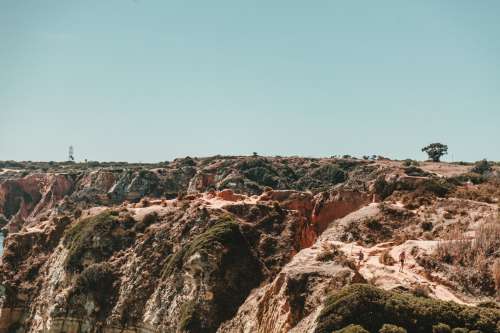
421 290
428 235
496 274
454 247
144 202
472 259
488 238
328 252
386 258
332 252
487 192
458 249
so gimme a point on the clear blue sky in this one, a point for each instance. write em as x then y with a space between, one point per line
152 80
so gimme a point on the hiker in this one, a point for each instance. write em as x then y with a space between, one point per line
402 256
361 256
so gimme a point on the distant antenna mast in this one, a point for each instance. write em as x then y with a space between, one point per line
71 154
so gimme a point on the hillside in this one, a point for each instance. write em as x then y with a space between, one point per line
248 244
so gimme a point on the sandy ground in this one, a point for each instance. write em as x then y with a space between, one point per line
389 277
442 168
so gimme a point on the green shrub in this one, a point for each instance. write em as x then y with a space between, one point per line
441 328
481 167
95 278
189 321
100 282
473 177
352 329
459 330
265 176
230 271
94 238
388 328
372 308
383 188
225 232
409 162
489 304
421 290
373 224
416 172
438 187
426 226
330 173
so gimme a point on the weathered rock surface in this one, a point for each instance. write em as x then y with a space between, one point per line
226 244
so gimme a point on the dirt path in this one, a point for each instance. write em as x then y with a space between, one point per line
389 277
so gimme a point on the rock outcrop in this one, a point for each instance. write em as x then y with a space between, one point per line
232 244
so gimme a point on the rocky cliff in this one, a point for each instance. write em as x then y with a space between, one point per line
236 244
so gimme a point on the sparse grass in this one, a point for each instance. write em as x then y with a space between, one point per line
458 249
496 275
488 192
472 259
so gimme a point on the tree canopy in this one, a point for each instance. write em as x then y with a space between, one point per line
435 151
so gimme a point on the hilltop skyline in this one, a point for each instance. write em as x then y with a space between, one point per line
151 81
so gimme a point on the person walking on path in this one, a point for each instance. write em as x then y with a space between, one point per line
361 256
402 257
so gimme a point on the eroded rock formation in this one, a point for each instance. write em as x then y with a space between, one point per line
226 244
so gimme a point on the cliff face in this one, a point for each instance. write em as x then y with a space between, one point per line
222 244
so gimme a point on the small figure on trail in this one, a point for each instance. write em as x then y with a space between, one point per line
361 256
402 256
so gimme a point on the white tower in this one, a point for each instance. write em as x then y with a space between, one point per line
71 154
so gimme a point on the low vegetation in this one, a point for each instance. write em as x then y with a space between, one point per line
388 328
230 269
225 233
352 329
98 282
372 308
95 238
332 252
488 192
386 258
472 261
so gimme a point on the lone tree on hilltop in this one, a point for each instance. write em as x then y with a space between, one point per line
435 151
